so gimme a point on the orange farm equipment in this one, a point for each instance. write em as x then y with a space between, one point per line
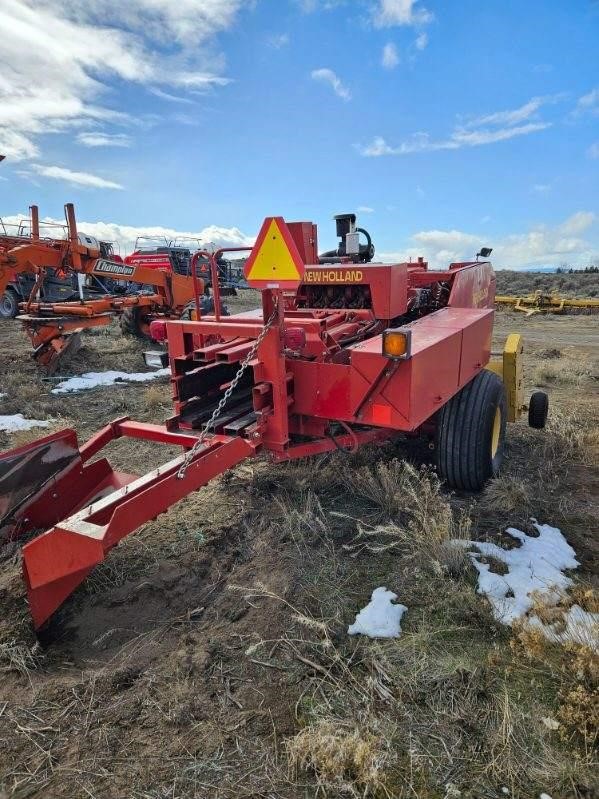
342 353
53 326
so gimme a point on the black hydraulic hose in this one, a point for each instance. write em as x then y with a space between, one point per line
366 253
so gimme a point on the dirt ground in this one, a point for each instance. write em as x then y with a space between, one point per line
208 657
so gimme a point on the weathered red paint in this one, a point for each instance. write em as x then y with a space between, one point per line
336 389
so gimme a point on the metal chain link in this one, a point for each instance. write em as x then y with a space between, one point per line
226 396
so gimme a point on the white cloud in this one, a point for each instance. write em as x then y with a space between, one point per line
365 209
461 138
126 235
278 40
91 139
15 146
577 223
499 126
329 77
56 56
541 246
171 98
309 6
421 142
188 22
400 12
421 41
390 56
377 147
198 81
588 103
593 151
74 178
541 188
512 117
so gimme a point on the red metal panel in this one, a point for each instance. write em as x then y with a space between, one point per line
60 559
305 236
473 287
476 346
321 389
388 284
448 349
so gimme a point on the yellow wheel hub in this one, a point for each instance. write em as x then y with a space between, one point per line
496 434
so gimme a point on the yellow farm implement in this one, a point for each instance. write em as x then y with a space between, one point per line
540 302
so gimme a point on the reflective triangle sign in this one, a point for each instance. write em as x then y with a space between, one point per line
275 261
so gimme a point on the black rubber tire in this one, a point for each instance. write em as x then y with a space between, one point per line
9 304
466 430
538 409
132 325
206 308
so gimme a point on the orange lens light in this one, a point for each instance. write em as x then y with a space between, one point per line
396 344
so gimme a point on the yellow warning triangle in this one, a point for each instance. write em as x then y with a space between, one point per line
275 258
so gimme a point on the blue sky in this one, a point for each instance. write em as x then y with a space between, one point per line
445 125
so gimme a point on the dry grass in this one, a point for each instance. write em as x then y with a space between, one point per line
132 560
569 285
421 519
431 709
17 656
401 492
306 521
573 665
156 397
563 371
508 494
346 759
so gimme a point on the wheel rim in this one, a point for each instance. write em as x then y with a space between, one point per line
496 434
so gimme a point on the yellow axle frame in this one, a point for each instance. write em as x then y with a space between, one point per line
510 369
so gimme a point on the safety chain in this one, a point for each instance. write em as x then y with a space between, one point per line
226 396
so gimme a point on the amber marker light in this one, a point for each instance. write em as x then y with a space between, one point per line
397 344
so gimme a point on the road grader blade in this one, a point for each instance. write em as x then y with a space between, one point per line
344 352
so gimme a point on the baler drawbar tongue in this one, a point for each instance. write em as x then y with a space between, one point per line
86 507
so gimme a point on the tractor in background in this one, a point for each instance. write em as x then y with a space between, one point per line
57 285
97 287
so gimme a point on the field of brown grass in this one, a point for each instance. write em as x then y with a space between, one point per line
209 655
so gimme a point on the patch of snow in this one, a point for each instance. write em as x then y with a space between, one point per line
2 395
576 625
16 422
544 796
109 378
535 566
380 618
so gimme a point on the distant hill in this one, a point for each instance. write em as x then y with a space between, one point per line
519 283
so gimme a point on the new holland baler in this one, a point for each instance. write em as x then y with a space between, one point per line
342 352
